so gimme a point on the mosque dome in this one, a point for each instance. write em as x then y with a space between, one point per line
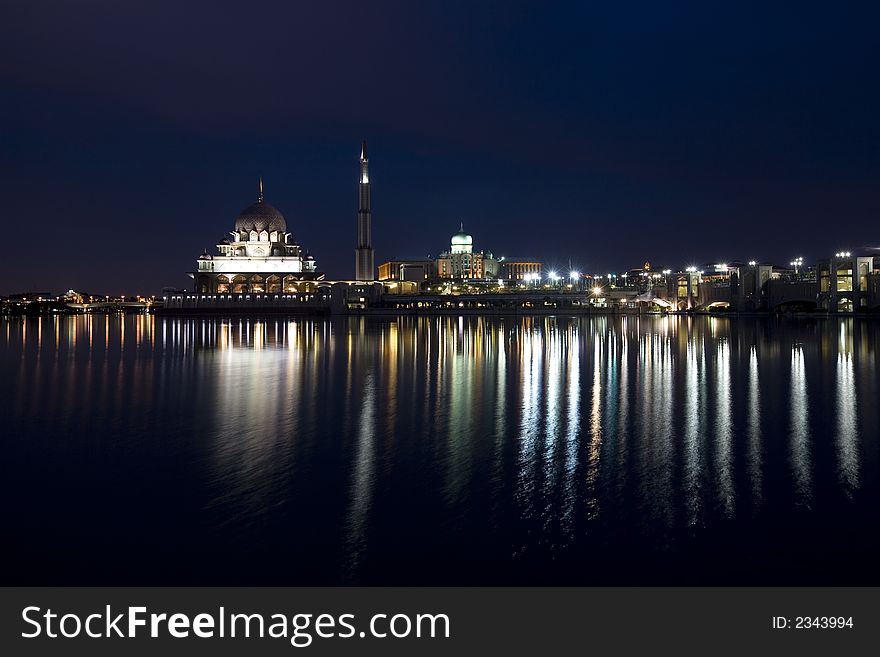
461 238
259 217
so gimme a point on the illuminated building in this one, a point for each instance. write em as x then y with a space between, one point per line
844 282
520 269
363 254
407 269
260 256
683 289
461 261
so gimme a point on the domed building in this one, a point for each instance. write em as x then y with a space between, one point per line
461 242
461 262
260 256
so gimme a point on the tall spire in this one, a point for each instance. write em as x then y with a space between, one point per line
364 264
365 167
260 198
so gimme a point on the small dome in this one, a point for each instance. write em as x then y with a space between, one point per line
259 217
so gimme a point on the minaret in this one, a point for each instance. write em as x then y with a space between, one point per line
364 269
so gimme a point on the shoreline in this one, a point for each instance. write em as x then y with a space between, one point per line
326 312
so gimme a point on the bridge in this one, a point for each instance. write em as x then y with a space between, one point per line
791 293
117 305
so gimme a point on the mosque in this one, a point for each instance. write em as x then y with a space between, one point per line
259 256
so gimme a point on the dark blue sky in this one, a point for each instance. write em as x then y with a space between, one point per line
606 133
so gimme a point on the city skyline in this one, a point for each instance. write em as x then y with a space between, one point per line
600 135
553 269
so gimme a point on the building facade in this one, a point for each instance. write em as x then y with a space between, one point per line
683 289
844 282
259 256
519 269
416 270
461 261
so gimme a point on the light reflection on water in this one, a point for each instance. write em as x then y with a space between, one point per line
723 437
847 419
799 432
498 450
755 449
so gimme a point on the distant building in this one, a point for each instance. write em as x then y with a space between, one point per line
683 289
261 256
642 279
407 269
519 269
749 286
874 286
644 272
461 261
844 282
30 296
737 286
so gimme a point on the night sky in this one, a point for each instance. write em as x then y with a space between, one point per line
605 133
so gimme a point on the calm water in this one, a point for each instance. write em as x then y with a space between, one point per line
141 450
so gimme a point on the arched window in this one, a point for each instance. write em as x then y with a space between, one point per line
264 236
239 284
253 236
222 284
290 284
258 283
273 236
273 284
